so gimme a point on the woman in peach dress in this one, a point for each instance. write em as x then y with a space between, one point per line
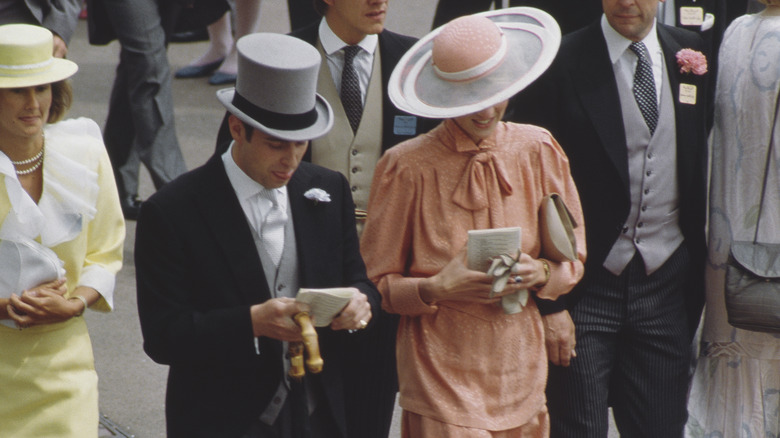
466 368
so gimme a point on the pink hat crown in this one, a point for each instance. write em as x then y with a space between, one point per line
468 48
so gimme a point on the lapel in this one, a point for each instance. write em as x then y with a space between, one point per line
225 219
686 115
305 228
594 82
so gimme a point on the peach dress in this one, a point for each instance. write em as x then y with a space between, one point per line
466 364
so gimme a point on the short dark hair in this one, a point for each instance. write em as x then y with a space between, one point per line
249 130
321 7
61 99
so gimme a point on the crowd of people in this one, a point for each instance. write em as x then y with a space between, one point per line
356 158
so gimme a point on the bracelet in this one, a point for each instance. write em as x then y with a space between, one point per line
83 300
546 266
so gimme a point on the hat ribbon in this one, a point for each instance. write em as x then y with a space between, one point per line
274 120
478 70
26 68
485 175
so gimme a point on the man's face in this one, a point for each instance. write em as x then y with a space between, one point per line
631 18
266 159
352 20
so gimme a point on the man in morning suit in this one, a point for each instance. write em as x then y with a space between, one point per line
353 147
222 250
633 127
363 129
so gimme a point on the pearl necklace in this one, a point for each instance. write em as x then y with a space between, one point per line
37 159
29 160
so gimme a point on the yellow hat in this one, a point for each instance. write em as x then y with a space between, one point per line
26 57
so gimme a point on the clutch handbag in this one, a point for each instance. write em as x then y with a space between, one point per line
556 230
24 265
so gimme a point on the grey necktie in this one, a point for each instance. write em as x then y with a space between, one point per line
272 230
350 88
644 86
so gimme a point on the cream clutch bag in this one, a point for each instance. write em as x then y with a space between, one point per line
556 229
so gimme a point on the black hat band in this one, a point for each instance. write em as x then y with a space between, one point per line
274 120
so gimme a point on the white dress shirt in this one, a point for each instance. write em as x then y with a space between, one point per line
363 62
624 60
247 190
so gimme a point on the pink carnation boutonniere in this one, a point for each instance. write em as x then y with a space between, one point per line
692 61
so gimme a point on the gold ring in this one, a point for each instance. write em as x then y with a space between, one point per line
363 324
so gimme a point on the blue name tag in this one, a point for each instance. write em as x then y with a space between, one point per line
405 125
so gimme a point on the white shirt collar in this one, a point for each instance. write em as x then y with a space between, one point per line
247 189
617 44
331 43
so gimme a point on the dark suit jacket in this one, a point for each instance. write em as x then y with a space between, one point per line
198 273
391 46
577 100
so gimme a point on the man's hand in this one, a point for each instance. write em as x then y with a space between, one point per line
559 337
60 48
355 315
274 319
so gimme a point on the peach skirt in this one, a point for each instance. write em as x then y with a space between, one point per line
417 426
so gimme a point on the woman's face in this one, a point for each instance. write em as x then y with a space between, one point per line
24 111
480 125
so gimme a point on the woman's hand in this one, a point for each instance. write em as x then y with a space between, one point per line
456 282
529 273
44 304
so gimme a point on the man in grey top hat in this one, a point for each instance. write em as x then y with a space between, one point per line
222 251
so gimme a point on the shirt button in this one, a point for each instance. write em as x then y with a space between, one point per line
646 191
354 170
280 287
650 156
640 225
644 208
354 152
354 188
638 241
649 172
625 230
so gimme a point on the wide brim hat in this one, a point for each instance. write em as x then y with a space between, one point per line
276 88
474 62
26 58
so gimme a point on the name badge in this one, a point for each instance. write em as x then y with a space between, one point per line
405 125
691 15
688 94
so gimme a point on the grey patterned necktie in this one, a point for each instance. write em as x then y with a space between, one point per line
350 88
272 230
644 86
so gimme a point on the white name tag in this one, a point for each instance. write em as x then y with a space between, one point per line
691 15
688 94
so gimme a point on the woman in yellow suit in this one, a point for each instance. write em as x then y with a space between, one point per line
61 240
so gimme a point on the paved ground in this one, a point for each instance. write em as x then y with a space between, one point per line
132 387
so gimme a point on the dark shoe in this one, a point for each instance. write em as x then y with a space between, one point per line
131 206
191 36
197 71
219 78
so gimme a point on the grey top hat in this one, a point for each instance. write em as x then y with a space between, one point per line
276 88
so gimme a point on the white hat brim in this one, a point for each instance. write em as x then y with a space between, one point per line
59 70
320 127
533 38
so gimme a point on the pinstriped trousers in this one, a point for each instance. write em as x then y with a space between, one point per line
633 353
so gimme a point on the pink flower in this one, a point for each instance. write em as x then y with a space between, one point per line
691 60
